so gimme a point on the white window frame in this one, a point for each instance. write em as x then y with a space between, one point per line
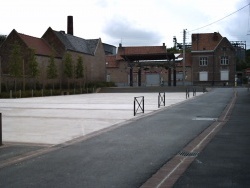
203 61
224 60
203 76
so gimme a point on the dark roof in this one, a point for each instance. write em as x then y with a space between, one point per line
39 45
77 44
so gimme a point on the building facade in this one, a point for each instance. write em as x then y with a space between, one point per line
148 66
213 60
54 44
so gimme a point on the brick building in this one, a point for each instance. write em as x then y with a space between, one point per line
147 65
213 60
56 44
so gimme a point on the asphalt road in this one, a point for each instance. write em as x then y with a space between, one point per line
225 160
123 157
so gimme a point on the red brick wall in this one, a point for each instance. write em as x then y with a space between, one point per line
214 67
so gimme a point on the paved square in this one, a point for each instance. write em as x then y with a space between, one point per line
57 119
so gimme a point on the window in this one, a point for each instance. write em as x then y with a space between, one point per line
203 61
108 78
203 76
224 75
224 60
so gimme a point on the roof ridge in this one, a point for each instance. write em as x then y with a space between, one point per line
28 35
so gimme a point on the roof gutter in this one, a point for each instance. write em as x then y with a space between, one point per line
202 51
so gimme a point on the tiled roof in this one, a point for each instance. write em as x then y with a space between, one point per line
39 45
141 52
77 44
205 41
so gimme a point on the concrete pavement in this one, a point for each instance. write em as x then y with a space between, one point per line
54 120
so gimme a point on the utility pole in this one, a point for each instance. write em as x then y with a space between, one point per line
184 58
0 74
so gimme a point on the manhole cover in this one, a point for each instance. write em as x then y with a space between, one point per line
188 154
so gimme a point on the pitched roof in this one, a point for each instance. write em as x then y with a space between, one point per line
205 41
39 45
136 50
77 44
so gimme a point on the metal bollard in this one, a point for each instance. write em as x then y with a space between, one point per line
187 93
194 92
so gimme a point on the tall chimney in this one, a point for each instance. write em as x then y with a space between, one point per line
70 25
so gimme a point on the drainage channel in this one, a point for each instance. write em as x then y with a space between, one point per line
188 154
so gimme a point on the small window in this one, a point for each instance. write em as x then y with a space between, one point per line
224 60
203 61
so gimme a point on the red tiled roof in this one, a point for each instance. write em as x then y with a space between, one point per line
38 44
205 41
141 51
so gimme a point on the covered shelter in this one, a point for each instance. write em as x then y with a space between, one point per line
145 56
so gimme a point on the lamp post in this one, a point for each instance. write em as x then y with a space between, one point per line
184 58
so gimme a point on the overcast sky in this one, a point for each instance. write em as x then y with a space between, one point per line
132 22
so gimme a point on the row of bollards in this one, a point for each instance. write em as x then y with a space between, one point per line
139 101
187 92
194 91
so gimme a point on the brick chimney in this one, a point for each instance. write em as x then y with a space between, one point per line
70 25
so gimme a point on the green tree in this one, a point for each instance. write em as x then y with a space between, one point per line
33 65
68 66
2 39
79 68
15 66
248 58
52 70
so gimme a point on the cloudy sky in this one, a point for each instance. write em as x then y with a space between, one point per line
132 22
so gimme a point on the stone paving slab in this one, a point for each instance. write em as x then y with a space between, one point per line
58 119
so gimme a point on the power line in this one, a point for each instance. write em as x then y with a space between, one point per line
221 18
